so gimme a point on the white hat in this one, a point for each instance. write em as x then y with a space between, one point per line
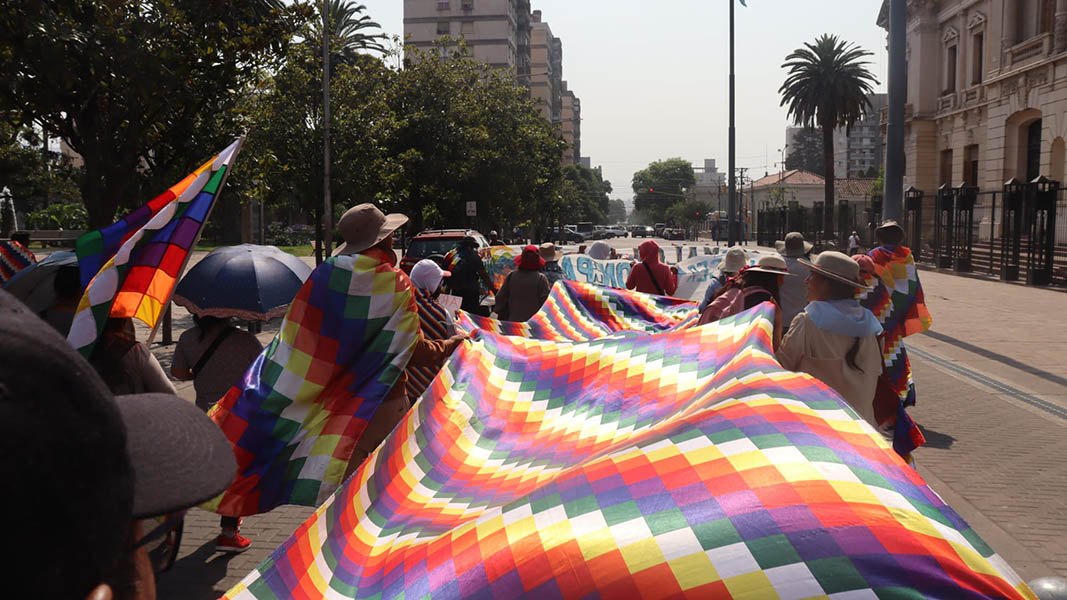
770 263
427 275
734 261
599 251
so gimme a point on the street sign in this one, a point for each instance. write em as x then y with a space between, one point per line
472 209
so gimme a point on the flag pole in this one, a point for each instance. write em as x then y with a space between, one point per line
196 240
731 204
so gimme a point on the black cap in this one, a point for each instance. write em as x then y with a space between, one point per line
179 457
468 241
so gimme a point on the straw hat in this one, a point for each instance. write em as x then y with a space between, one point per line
794 245
770 264
837 266
735 260
363 226
548 251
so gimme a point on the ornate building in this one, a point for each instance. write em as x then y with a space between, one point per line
987 91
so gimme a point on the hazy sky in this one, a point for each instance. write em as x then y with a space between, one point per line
653 75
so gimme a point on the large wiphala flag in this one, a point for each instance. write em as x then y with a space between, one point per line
680 463
130 268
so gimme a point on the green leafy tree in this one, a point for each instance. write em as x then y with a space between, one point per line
617 211
806 153
592 202
34 178
687 212
660 186
463 132
135 87
827 87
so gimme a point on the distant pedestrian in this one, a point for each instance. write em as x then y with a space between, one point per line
552 271
897 301
600 250
853 244
494 239
732 263
67 286
468 275
214 355
650 275
751 287
835 339
524 290
126 365
794 291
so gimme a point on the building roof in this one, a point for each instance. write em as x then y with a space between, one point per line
853 188
790 177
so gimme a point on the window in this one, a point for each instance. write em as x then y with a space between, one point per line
950 69
970 165
946 167
468 4
443 28
977 58
442 5
467 28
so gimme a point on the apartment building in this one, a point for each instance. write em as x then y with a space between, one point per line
859 151
505 34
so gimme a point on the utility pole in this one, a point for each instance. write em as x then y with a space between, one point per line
893 187
327 204
731 202
740 205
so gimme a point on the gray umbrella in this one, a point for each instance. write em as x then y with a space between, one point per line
34 284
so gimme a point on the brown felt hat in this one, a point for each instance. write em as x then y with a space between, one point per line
837 266
363 226
890 224
794 245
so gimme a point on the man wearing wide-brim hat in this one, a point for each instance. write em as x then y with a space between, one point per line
898 303
794 293
834 339
331 386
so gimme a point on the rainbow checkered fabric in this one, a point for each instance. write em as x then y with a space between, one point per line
297 414
684 463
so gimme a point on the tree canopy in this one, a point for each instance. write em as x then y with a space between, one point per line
827 86
659 186
806 152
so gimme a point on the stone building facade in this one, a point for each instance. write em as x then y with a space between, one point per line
986 91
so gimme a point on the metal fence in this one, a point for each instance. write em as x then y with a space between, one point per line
1015 233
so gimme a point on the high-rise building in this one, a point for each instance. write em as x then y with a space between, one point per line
497 32
505 34
858 151
546 68
709 185
571 126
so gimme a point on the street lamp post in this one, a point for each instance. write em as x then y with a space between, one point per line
732 193
327 204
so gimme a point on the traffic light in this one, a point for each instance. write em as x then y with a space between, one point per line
650 190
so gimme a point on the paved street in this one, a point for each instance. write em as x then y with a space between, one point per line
992 399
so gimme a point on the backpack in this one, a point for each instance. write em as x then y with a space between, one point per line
729 303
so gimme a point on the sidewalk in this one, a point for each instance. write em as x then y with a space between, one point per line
993 455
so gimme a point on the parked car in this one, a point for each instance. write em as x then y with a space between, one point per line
570 234
641 231
615 231
673 233
659 228
437 241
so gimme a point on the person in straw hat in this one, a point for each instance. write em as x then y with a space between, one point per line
735 260
368 232
835 339
752 286
794 291
552 271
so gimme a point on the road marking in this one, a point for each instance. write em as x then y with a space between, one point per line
1043 405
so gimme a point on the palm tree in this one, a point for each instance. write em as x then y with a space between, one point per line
348 25
827 86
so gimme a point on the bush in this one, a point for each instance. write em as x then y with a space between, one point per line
59 216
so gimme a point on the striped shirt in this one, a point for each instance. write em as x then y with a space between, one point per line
436 324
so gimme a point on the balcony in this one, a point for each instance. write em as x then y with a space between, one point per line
947 101
973 96
1034 48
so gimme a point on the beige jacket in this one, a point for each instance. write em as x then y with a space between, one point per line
821 354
